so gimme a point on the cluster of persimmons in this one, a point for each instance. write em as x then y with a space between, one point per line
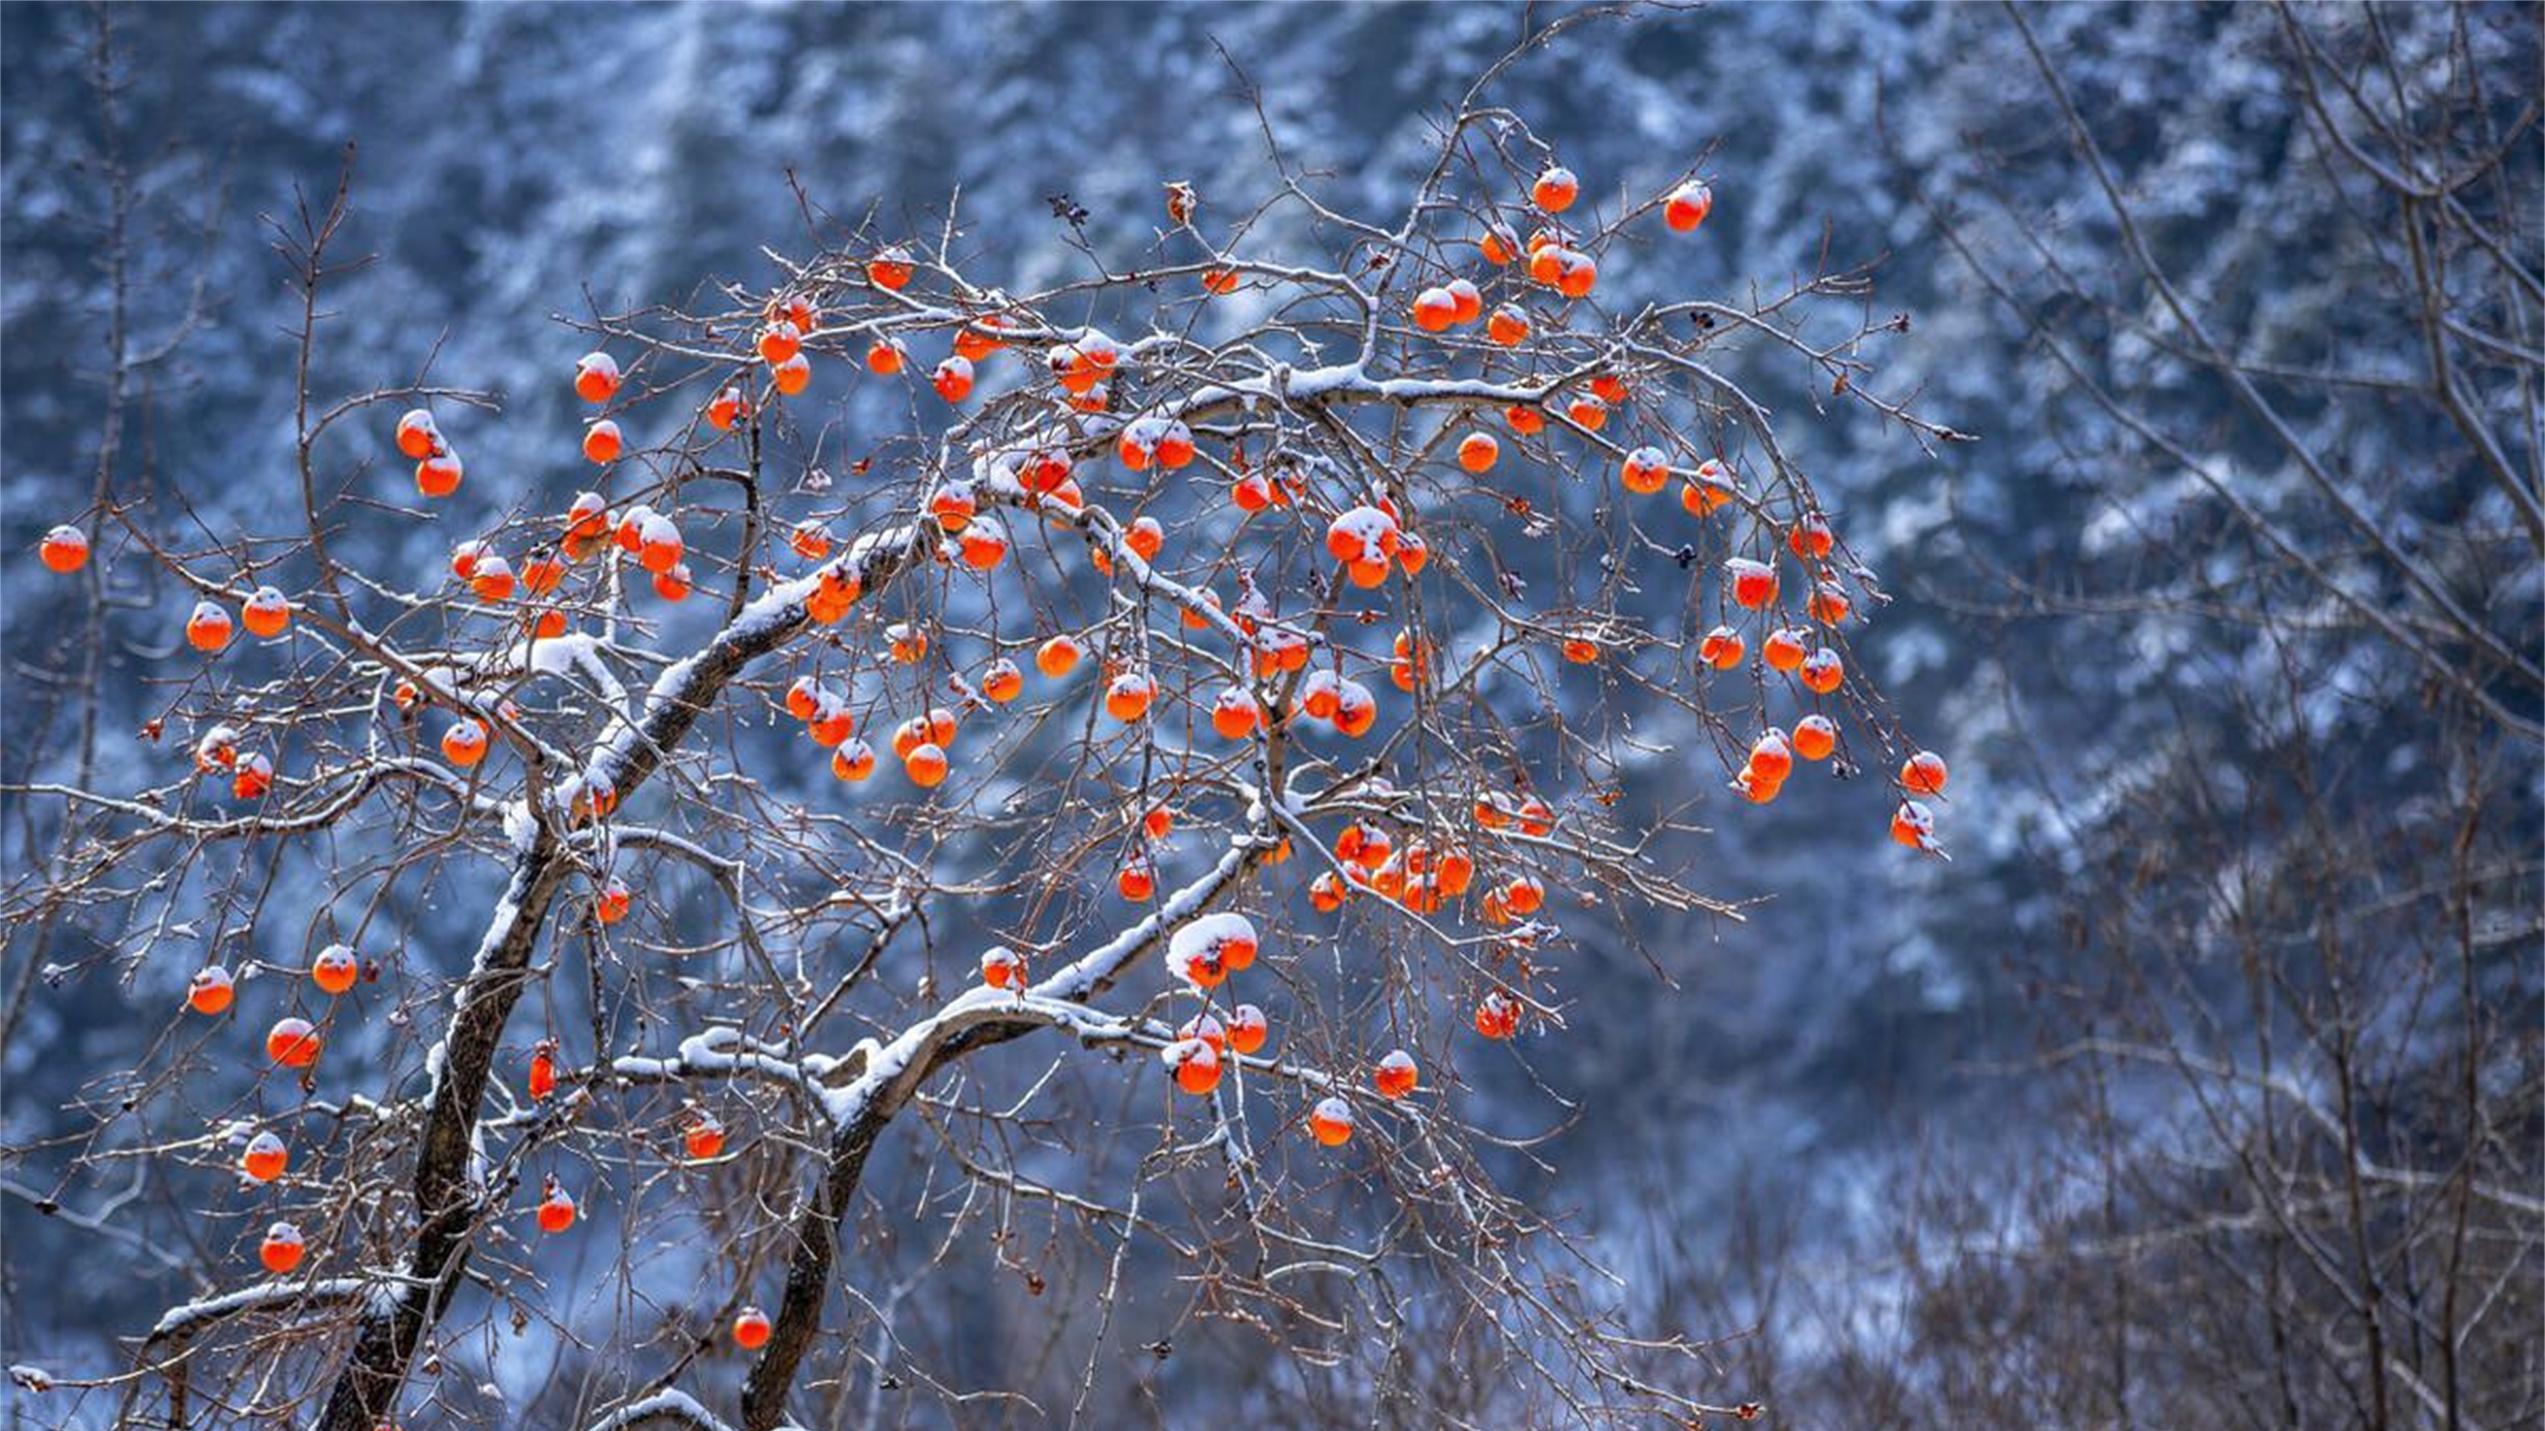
1078 377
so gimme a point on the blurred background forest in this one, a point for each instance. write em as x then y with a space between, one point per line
2200 1088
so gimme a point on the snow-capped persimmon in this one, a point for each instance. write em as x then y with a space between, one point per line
587 521
1536 817
1468 302
1771 759
1555 189
1722 648
907 644
1364 844
335 969
464 559
1923 773
252 778
1356 711
1497 1015
1362 534
596 377
1412 553
1098 350
1330 1122
1128 696
926 766
1195 1064
1455 872
1498 247
1137 880
1829 604
810 540
1546 258
1810 537
417 437
702 1138
439 475
659 547
556 1209
672 585
1508 327
1913 825
1576 274
1207 1028
464 742
886 357
541 1081
217 750
491 578
831 722
835 590
1687 207
64 550
984 544
208 628
1144 537
1477 452
1434 310
1327 892
1709 489
853 761
1644 472
1247 1029
1822 671
1782 649
779 341
293 1042
751 1329
265 1158
1815 737
976 341
953 378
1755 787
611 902
953 506
282 1249
893 268
211 990
1003 968
1752 584
729 406
541 575
1395 1075
1588 411
266 613
1001 681
1233 942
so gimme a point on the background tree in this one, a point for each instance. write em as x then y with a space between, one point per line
2287 342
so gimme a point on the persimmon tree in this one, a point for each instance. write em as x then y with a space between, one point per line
1162 688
